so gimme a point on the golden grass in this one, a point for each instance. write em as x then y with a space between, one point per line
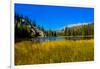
57 51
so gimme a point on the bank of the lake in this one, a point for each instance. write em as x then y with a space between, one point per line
27 52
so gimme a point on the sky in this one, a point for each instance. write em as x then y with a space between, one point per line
55 17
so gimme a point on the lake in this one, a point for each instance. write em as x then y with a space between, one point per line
61 38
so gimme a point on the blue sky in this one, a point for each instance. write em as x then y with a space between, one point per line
55 17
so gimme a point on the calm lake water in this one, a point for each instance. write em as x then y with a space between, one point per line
61 38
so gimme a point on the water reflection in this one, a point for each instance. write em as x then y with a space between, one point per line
78 38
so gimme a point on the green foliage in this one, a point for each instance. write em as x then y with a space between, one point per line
82 30
22 27
51 33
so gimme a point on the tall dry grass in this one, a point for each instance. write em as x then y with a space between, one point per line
27 52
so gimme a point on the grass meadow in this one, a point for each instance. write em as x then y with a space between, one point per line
27 52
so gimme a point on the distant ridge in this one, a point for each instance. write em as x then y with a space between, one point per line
73 25
78 24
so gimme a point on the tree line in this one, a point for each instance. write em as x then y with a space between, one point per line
82 30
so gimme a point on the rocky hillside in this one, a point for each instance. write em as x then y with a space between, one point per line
26 29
